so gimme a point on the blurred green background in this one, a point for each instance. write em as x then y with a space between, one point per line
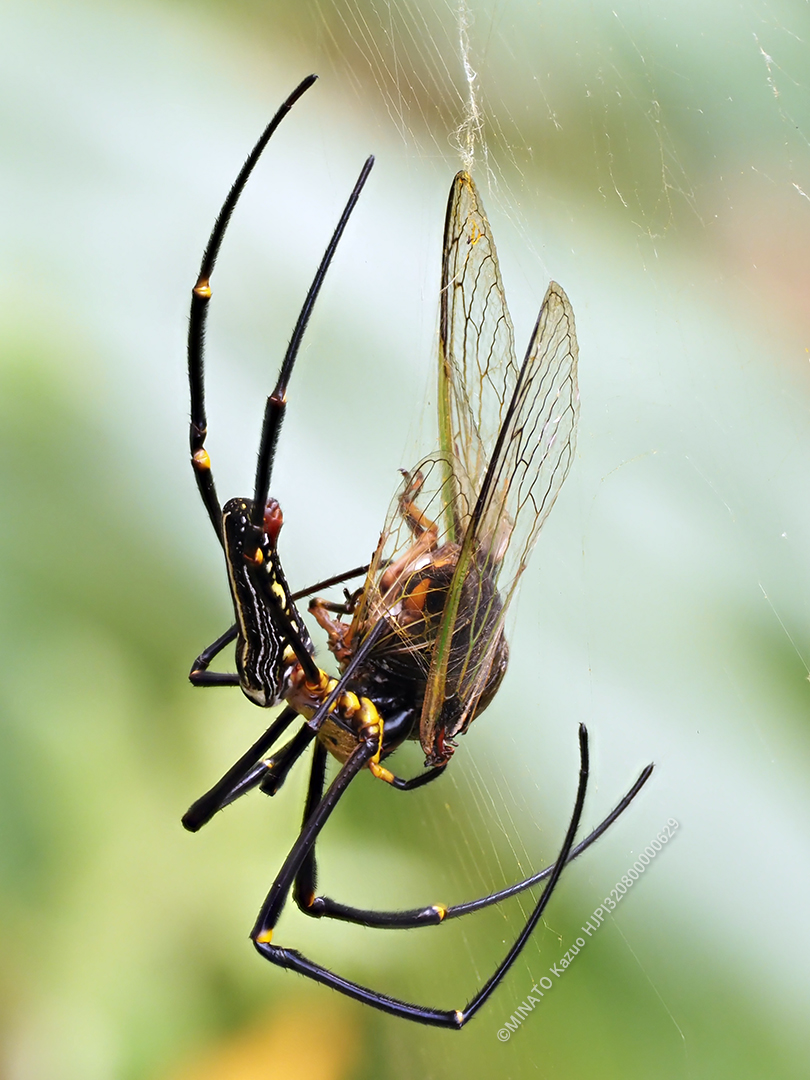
651 157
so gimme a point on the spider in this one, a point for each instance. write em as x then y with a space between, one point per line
420 646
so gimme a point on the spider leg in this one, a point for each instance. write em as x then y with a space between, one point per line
250 771
268 916
200 296
490 985
278 766
457 910
307 876
295 961
276 403
306 879
240 778
213 678
338 579
327 908
201 676
422 778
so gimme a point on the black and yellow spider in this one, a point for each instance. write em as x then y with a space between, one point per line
420 646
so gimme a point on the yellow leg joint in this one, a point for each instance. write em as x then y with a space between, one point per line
348 703
376 759
265 938
372 724
322 687
380 772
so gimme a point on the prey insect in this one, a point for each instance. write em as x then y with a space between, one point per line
420 647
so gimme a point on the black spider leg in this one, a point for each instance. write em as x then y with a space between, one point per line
419 780
368 643
277 767
201 676
276 403
250 770
279 890
270 774
232 784
200 296
325 907
327 583
271 429
306 878
292 959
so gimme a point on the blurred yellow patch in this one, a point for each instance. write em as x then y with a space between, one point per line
290 1042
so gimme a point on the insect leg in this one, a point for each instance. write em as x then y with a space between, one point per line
418 522
339 634
425 533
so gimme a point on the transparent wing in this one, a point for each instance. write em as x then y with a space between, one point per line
534 448
477 376
477 367
536 410
468 516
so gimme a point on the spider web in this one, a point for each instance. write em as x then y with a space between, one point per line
597 122
655 160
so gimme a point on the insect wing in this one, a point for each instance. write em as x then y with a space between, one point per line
536 410
477 375
477 367
535 446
